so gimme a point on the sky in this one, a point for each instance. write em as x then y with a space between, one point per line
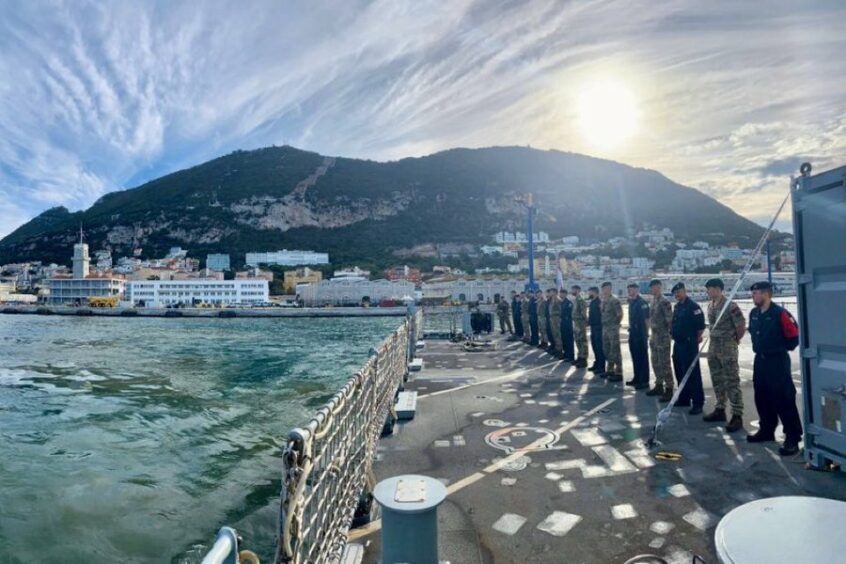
726 97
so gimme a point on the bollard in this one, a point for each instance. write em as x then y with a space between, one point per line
410 518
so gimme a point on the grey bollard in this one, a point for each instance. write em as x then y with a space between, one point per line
410 518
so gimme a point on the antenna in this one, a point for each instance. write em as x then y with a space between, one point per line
80 233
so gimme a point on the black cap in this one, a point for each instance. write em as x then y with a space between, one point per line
763 285
575 287
655 282
606 284
593 289
715 283
633 285
678 286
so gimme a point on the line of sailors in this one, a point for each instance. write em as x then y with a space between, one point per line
558 322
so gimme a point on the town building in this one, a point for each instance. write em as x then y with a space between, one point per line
403 273
255 274
304 275
218 262
162 293
508 237
287 258
355 292
76 291
354 273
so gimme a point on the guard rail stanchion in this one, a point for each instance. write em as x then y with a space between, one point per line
410 518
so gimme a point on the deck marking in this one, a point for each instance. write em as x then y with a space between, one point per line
559 523
476 476
509 376
679 490
566 486
661 527
701 519
615 461
509 523
623 511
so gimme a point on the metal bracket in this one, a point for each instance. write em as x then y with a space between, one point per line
805 278
810 353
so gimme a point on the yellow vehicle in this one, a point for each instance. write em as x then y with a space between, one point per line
110 301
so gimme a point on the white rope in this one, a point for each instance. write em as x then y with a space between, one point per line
665 413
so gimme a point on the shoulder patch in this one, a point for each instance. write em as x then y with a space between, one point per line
697 311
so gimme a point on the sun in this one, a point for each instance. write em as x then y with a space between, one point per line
607 112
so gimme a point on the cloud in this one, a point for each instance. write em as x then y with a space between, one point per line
100 96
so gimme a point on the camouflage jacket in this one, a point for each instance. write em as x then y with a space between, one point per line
503 308
661 317
612 312
580 313
731 321
555 309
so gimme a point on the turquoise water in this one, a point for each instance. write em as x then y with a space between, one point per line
133 440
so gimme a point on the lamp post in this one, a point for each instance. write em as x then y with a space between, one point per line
528 201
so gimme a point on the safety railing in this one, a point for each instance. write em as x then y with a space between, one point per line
328 463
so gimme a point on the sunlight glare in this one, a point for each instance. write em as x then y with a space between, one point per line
607 113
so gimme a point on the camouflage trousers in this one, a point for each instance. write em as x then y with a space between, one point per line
580 334
542 336
725 374
505 323
659 351
527 327
555 338
611 348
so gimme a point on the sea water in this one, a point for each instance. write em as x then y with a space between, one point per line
134 440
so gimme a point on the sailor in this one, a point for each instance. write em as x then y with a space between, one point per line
554 322
688 326
543 319
503 312
533 319
612 316
580 325
638 337
525 317
595 322
661 323
515 314
774 332
567 344
722 355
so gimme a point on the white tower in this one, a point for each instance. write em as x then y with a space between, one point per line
81 260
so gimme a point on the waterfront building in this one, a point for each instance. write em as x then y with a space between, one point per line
354 292
218 262
255 274
76 291
304 275
81 260
354 273
162 293
287 258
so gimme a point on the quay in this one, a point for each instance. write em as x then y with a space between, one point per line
546 463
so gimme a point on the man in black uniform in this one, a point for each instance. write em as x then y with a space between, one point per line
688 326
533 319
638 337
567 338
515 314
774 332
595 322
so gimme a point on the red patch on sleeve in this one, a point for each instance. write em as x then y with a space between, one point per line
789 328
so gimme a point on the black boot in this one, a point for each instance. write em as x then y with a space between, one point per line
736 424
760 437
658 390
789 448
719 414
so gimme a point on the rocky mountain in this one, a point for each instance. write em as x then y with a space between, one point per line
372 212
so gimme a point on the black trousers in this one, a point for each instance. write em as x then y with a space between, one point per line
533 322
596 345
683 354
775 396
518 323
568 343
639 349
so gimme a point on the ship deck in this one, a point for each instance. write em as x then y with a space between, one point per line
592 492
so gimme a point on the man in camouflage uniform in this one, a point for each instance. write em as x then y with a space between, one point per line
543 319
612 316
554 322
580 326
660 324
524 317
503 312
722 356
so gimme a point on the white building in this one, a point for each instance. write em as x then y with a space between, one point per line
76 291
287 258
349 292
354 273
508 237
160 293
81 260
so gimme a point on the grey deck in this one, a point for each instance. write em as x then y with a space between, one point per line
669 509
